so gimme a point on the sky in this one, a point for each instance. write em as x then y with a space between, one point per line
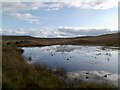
68 18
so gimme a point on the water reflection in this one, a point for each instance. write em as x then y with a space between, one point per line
93 76
91 63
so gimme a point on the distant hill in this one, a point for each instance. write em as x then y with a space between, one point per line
108 39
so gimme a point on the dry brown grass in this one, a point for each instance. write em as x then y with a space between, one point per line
105 40
18 74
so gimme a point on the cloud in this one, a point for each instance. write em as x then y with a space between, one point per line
57 32
25 17
92 4
13 32
77 31
13 9
53 6
0 7
84 4
9 7
35 5
108 4
57 4
21 6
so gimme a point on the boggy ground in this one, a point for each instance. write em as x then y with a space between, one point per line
16 73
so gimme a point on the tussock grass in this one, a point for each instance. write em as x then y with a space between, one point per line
18 74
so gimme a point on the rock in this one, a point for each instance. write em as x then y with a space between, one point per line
67 58
87 77
105 76
75 79
29 58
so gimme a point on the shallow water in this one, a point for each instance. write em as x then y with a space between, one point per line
93 62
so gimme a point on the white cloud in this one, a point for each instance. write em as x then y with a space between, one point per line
57 4
108 4
25 17
86 4
22 16
19 6
78 31
58 32
9 7
12 9
0 7
53 6
36 5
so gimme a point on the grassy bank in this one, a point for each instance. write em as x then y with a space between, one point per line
17 73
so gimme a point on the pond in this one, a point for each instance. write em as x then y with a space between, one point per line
86 63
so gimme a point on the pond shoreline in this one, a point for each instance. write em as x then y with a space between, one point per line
7 61
63 50
15 68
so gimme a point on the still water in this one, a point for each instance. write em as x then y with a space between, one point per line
97 63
